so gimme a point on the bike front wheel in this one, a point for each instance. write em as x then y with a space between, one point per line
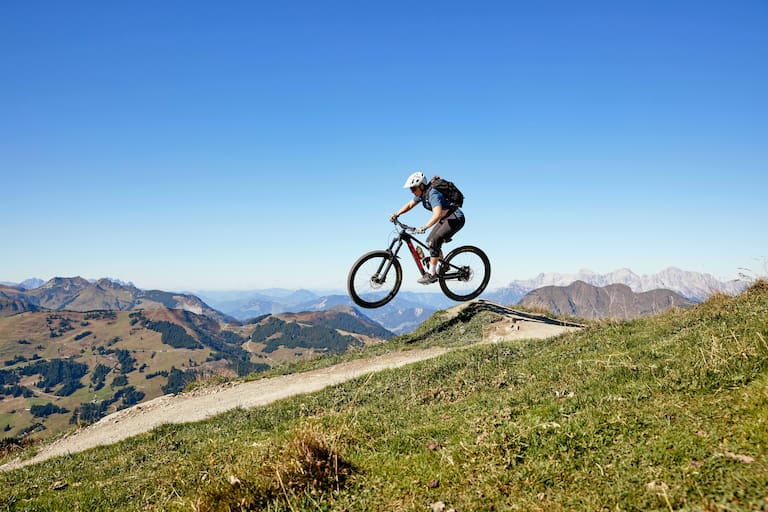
374 279
464 273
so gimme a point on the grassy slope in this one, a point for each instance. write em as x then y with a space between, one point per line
145 346
662 413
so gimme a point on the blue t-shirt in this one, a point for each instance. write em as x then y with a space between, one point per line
434 198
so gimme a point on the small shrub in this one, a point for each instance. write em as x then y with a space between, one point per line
310 462
307 465
11 445
119 380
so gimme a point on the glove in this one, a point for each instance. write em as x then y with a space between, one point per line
421 230
393 217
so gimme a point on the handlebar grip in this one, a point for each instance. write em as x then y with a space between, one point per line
406 227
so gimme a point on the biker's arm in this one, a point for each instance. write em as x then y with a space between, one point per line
406 207
437 214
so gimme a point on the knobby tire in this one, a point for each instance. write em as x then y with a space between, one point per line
362 286
477 272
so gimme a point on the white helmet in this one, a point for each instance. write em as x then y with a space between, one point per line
415 179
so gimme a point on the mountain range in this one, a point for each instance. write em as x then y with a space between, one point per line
27 284
695 286
406 312
402 315
78 294
409 309
613 301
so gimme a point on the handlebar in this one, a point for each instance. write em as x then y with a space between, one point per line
406 227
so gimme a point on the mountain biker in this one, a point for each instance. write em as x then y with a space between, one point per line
447 219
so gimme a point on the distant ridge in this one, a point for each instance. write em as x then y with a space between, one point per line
406 312
402 315
694 286
614 301
79 294
12 301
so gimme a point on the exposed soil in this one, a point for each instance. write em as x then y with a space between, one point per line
210 401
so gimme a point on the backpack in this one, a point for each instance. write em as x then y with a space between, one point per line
449 191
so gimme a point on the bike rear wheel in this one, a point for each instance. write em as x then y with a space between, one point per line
374 279
464 273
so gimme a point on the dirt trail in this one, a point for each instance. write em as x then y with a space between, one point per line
206 402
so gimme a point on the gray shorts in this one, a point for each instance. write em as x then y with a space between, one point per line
443 232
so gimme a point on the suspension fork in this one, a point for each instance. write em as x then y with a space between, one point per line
383 270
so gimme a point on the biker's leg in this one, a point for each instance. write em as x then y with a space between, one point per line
441 233
434 261
435 242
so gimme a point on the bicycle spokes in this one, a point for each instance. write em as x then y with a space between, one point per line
466 273
374 279
455 273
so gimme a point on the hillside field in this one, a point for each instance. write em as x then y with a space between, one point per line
62 369
662 413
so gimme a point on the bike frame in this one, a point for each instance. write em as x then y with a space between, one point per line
407 239
404 237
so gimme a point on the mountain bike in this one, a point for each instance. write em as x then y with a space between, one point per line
375 278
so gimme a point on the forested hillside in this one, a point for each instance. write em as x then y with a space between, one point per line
61 369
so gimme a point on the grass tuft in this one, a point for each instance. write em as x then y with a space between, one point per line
308 467
12 445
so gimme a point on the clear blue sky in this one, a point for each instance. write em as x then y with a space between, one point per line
218 145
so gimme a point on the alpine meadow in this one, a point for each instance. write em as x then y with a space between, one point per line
668 412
